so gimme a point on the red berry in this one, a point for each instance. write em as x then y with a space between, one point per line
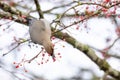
77 28
54 59
58 53
26 71
14 62
107 1
118 16
43 55
41 62
87 7
17 66
60 56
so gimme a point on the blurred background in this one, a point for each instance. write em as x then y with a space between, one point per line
101 32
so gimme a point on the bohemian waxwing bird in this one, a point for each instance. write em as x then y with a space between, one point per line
40 33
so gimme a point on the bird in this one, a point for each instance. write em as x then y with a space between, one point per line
40 33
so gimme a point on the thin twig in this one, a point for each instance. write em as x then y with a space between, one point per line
114 42
64 5
87 17
29 61
11 49
15 47
108 48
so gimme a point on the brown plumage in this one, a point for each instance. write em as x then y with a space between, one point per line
40 33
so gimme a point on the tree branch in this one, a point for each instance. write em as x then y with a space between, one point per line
39 9
61 6
97 12
18 44
102 64
7 8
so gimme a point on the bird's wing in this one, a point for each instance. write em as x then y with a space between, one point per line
47 26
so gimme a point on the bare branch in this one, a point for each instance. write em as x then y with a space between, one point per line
39 9
61 6
108 48
18 44
29 61
87 17
102 64
115 56
114 42
9 9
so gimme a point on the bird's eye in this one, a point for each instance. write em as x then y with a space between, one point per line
29 21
